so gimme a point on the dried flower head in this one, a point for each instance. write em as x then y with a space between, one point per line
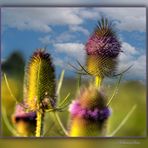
89 113
25 122
39 84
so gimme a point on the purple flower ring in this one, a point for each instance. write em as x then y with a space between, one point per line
93 114
21 114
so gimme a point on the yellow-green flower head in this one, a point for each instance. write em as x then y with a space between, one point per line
89 113
101 66
25 122
39 84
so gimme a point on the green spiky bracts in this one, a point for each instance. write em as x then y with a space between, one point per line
39 84
89 113
103 48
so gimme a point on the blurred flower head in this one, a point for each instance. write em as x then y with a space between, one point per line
89 113
25 122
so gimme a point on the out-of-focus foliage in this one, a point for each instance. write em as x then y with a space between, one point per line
14 65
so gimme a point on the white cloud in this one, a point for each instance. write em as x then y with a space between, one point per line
127 18
46 40
74 50
132 57
39 18
79 29
63 37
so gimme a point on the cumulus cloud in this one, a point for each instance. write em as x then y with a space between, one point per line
63 37
79 29
127 18
39 18
42 19
74 50
132 57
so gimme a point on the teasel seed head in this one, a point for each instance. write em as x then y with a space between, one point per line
25 122
89 113
101 66
104 41
103 48
39 82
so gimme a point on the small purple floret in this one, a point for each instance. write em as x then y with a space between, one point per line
96 114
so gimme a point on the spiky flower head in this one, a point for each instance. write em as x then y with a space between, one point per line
101 66
103 48
103 42
39 84
25 122
89 113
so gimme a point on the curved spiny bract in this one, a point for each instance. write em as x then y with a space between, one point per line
39 88
89 113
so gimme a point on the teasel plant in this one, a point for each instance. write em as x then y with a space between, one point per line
90 111
102 51
40 96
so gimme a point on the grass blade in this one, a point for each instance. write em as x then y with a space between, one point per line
60 84
115 91
123 121
9 89
7 123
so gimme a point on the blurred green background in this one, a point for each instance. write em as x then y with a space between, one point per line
129 94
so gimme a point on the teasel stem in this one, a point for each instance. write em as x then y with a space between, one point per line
60 123
39 124
98 81
79 81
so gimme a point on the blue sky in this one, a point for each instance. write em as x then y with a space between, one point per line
65 31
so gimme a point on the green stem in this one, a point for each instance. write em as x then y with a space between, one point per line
60 123
39 124
98 81
79 81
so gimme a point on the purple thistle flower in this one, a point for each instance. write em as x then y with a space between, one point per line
103 41
91 114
